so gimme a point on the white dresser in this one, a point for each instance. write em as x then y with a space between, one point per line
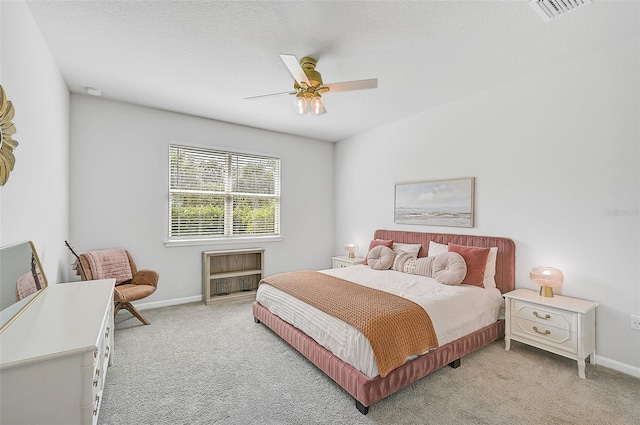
54 356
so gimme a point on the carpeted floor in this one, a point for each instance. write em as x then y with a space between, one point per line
198 364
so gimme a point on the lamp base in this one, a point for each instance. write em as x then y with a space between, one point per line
352 255
546 291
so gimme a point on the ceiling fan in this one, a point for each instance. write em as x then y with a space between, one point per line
308 87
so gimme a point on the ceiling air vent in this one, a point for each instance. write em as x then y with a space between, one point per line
551 9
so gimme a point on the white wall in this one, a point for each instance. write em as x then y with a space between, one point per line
119 190
34 203
556 159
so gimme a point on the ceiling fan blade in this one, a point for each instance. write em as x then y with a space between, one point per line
292 64
269 95
351 85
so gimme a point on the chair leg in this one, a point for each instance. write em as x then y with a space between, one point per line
132 310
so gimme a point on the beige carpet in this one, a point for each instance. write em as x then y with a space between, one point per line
213 365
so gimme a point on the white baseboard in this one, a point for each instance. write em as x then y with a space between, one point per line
620 367
167 303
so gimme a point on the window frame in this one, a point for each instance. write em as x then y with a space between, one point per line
228 235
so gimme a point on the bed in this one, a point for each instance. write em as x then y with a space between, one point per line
362 381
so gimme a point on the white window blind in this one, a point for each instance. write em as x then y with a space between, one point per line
214 193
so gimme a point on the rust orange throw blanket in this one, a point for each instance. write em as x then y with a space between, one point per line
395 327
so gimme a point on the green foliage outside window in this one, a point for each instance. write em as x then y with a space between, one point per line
206 183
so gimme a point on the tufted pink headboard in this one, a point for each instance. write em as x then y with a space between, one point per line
505 261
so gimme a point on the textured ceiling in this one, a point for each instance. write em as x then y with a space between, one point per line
204 57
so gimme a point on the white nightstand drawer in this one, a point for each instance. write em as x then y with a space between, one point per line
550 336
344 261
340 264
547 316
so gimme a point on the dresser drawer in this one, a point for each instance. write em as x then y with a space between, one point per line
542 333
105 350
547 316
97 383
102 359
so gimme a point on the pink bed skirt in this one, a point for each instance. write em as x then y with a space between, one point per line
365 390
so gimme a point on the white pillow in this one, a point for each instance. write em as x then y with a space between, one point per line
409 248
436 248
489 281
490 271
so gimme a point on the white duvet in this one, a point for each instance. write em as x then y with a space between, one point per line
455 311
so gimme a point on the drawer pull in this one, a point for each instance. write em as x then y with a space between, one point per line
106 334
106 352
95 381
97 402
547 332
539 316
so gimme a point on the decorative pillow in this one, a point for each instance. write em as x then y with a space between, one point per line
401 259
380 257
424 266
411 248
449 268
490 271
377 242
436 248
476 259
489 281
410 266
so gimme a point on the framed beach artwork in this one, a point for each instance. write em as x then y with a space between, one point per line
436 202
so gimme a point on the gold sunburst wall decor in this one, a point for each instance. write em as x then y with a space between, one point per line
7 144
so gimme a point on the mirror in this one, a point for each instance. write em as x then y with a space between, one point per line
21 280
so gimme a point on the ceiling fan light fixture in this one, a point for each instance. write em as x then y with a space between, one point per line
308 86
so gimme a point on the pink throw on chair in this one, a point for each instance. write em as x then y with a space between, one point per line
110 263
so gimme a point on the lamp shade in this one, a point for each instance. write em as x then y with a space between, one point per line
301 104
547 278
351 248
317 105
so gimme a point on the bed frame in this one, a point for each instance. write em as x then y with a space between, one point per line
367 391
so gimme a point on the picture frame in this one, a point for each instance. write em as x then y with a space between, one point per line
448 202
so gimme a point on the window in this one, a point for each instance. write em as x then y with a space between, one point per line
216 194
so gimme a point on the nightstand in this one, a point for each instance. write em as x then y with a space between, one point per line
558 324
344 261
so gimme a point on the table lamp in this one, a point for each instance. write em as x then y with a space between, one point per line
351 248
548 278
